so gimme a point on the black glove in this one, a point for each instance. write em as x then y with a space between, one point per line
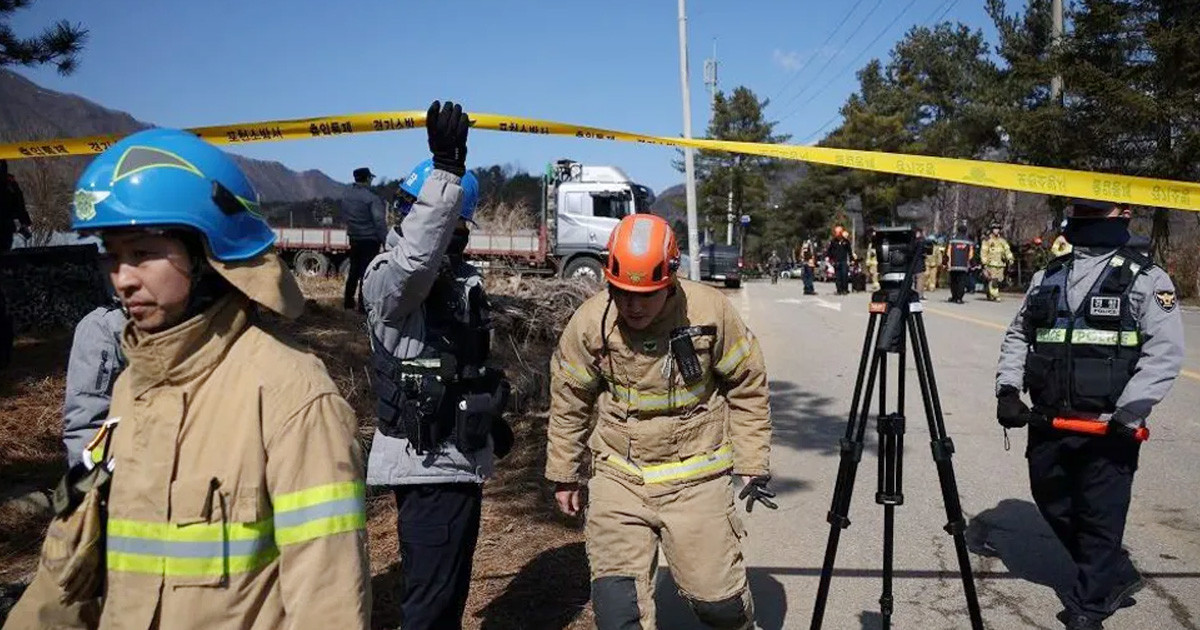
447 126
1010 411
756 490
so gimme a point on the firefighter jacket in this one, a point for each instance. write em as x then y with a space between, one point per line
933 260
398 292
1098 336
959 254
995 252
96 361
237 495
619 394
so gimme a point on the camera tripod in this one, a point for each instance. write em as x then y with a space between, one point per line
900 309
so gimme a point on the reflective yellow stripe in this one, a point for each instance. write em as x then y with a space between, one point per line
321 527
1089 337
1052 335
320 511
188 567
734 356
581 376
661 402
170 549
199 532
715 462
318 494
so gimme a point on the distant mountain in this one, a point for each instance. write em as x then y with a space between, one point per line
29 111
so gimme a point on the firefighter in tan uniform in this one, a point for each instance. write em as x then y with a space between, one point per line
231 463
996 256
659 391
933 264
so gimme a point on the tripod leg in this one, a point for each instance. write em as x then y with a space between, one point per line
890 489
943 451
851 447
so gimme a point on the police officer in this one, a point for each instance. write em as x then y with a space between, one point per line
366 227
959 253
1098 338
439 408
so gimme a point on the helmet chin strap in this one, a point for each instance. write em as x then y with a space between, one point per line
207 286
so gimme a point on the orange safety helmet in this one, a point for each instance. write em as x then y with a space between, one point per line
838 230
642 254
1037 240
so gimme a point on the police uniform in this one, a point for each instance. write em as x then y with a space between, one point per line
959 253
1099 336
437 404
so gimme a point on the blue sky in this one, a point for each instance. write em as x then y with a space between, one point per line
610 64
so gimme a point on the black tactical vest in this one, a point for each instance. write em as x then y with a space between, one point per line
1081 360
445 392
960 255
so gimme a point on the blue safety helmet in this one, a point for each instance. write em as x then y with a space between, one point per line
171 178
416 179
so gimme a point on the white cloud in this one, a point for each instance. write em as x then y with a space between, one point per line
790 61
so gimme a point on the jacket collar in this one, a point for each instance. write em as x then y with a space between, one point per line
189 350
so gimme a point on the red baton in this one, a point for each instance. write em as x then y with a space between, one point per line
1095 427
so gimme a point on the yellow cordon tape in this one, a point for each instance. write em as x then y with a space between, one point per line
1142 191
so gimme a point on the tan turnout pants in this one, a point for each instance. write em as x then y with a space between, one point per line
700 533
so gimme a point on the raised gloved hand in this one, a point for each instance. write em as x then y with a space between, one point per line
756 490
447 126
1010 411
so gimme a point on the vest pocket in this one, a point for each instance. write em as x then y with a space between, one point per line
1097 383
1041 379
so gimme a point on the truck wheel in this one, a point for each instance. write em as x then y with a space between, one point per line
733 284
344 267
585 268
311 264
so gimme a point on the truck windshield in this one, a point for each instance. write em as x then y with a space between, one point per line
643 198
610 206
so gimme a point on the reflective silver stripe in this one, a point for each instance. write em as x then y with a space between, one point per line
190 549
1088 336
639 239
721 460
352 505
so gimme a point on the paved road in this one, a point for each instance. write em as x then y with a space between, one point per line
812 346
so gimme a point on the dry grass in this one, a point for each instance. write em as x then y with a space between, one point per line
32 455
530 568
502 218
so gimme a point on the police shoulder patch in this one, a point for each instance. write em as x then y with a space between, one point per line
1166 300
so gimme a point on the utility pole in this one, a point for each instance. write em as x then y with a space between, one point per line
729 220
957 206
1056 82
689 161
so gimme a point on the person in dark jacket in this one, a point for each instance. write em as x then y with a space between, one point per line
839 252
12 210
1099 341
366 227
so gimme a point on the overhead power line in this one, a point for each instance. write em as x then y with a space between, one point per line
808 62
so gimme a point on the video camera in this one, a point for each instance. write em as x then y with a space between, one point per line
895 249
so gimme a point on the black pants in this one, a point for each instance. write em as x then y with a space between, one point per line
842 269
438 529
6 241
1082 485
362 251
958 285
807 275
